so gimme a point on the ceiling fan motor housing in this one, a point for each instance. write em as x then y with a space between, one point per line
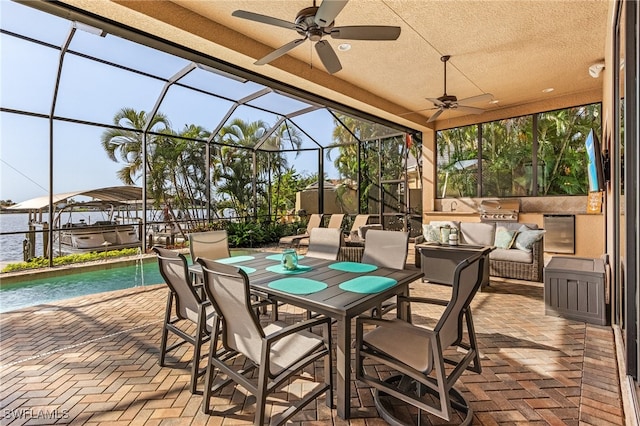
306 24
448 100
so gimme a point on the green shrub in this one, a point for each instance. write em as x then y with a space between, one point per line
43 262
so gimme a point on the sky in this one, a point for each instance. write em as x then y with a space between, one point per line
94 92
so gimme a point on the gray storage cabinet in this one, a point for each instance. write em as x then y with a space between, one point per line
574 288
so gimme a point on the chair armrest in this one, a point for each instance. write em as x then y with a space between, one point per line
425 300
294 328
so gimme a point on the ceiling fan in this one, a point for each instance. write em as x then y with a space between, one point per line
446 101
314 23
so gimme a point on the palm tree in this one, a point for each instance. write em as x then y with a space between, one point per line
235 161
125 142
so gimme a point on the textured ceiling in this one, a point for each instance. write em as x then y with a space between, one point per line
511 49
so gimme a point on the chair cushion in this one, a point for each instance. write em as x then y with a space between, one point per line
291 348
392 337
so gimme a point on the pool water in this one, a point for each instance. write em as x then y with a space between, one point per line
50 289
46 290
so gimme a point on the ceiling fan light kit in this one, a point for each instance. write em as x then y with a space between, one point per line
314 23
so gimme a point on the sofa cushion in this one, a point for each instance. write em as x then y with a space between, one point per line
511 255
478 233
527 237
504 238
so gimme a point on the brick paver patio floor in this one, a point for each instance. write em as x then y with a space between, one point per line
94 360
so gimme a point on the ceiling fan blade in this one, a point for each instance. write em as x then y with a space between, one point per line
470 110
486 97
366 32
416 112
435 116
328 56
437 102
263 19
328 11
279 52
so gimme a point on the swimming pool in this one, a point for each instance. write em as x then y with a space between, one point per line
73 284
50 289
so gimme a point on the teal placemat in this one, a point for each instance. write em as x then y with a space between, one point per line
369 284
297 285
278 257
235 259
279 269
247 269
353 267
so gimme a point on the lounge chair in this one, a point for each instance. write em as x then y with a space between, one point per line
278 351
190 308
335 222
359 228
292 240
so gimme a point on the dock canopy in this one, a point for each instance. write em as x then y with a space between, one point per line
124 193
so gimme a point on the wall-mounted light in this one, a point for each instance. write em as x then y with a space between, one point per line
596 69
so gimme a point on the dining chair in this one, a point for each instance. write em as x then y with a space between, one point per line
388 249
324 243
209 245
278 351
427 374
190 308
292 240
335 222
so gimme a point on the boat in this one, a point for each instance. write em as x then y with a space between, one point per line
118 226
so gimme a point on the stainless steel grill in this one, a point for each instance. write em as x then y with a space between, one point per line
500 210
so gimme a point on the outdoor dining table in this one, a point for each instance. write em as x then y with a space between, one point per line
340 290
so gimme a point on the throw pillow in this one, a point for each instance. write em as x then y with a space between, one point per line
505 238
526 239
431 233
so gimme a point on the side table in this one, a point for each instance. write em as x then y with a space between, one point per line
575 288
